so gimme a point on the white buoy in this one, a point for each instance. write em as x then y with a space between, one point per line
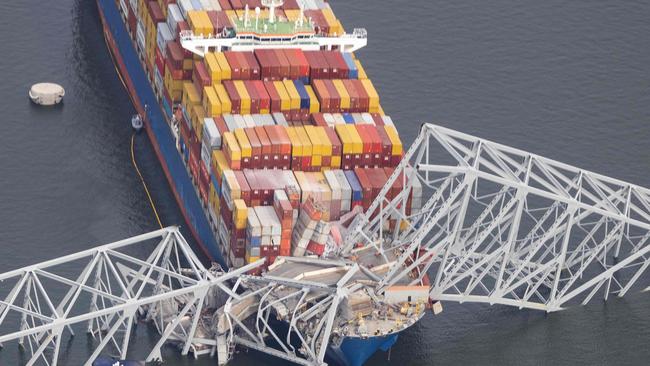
46 93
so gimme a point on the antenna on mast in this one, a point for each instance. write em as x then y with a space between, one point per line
272 4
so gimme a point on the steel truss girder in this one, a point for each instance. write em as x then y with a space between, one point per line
503 226
152 274
310 310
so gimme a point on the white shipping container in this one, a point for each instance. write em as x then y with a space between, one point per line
211 5
197 5
163 35
239 121
174 16
387 121
134 6
338 119
140 38
253 224
211 135
334 185
124 8
184 6
250 122
329 119
158 80
230 121
367 118
279 119
206 156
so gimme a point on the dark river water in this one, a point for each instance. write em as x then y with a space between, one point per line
566 79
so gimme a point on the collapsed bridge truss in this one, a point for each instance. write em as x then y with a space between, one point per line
503 226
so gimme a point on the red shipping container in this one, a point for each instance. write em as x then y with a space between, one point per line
335 99
175 55
225 5
334 65
194 160
252 93
219 20
386 147
236 4
201 77
322 93
132 21
354 95
315 248
221 124
253 65
245 188
366 187
267 147
364 99
256 147
273 96
285 67
337 146
376 117
235 99
291 5
318 67
266 67
317 119
263 95
204 190
294 66
160 62
155 12
233 62
276 66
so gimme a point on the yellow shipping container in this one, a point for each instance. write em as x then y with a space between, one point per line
244 144
174 87
336 162
327 144
307 149
285 100
226 104
344 136
248 257
292 14
240 213
245 97
226 72
197 120
372 94
343 93
188 64
314 104
231 14
357 142
190 95
219 163
329 16
394 140
361 71
211 102
199 22
213 67
230 144
296 142
294 96
213 198
315 139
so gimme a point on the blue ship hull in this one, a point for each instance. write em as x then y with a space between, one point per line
354 351
134 76
351 351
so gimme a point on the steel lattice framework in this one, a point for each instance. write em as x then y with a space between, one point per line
155 275
503 226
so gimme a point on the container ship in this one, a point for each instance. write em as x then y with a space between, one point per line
267 128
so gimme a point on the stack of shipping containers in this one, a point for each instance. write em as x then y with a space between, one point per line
277 141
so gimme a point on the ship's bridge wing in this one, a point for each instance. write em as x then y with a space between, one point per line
502 225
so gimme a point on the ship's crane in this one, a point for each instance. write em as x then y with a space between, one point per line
497 225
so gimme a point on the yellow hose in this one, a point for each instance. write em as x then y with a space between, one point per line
146 189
